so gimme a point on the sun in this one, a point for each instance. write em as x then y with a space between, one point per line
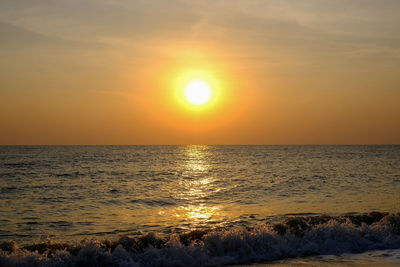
197 92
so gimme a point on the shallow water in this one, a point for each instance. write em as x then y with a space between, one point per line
383 258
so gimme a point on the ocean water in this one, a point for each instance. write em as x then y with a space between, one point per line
196 205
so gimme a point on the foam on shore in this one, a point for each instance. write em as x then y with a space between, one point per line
294 237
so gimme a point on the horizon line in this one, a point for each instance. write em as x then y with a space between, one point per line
354 144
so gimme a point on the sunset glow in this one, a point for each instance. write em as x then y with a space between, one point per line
199 72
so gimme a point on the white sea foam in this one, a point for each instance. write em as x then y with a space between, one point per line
303 237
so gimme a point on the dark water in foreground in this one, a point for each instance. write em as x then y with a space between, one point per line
232 195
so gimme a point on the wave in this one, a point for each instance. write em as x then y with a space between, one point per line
293 237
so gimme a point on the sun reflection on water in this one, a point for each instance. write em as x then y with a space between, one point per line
197 184
201 213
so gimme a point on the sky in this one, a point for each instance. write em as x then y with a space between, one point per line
111 72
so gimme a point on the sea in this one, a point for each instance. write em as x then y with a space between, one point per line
200 205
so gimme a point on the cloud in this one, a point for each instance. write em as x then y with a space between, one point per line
314 25
91 19
11 35
327 30
14 38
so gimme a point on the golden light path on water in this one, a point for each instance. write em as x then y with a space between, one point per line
196 186
186 197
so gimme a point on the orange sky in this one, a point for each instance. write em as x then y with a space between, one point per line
282 72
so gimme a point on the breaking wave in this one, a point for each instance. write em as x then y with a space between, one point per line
293 237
